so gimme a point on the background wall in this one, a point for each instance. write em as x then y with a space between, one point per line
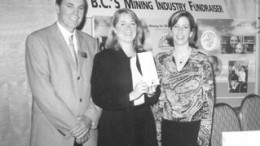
19 18
240 9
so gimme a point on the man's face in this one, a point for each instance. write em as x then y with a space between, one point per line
70 13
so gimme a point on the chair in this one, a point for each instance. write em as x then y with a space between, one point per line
224 119
250 113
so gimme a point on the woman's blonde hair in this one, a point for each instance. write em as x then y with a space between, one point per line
112 39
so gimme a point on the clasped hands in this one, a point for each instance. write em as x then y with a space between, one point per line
81 131
140 88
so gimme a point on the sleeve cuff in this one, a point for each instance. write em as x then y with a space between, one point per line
93 126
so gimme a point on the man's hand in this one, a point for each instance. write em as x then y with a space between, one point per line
81 131
83 139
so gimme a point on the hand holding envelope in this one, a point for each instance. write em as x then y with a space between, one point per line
151 90
140 88
149 78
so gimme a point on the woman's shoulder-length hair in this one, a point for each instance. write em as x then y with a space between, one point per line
112 39
193 26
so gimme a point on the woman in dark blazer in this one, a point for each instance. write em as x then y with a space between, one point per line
118 87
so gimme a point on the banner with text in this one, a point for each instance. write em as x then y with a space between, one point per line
160 8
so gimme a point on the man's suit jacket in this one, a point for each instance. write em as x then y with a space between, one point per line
61 90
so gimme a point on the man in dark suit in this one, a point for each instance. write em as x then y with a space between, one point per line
59 62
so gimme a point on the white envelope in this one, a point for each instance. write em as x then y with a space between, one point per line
148 68
241 138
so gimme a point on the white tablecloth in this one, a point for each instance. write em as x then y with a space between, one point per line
241 138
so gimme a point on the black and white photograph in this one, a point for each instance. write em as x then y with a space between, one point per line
129 72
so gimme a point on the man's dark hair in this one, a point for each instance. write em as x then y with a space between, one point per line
58 2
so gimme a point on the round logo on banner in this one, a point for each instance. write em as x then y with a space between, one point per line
208 40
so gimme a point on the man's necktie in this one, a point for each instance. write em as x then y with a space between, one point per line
72 49
77 144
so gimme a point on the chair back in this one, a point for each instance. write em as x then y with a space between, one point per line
250 113
224 119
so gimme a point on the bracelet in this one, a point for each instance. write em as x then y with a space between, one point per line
93 126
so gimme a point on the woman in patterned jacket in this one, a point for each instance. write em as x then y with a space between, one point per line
184 111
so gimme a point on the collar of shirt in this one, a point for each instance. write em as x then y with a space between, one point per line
66 34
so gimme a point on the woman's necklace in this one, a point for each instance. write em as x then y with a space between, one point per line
183 59
180 60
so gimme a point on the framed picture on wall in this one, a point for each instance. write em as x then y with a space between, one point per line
233 47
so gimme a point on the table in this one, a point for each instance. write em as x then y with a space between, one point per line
241 138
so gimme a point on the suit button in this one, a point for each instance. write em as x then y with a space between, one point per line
80 100
78 77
